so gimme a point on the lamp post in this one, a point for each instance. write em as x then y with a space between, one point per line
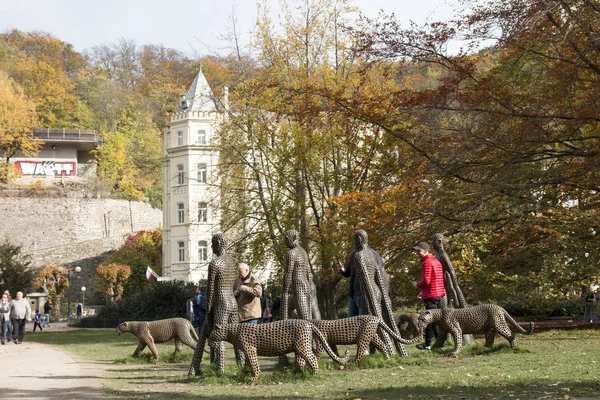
77 269
82 298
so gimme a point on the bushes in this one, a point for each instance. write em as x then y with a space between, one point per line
161 300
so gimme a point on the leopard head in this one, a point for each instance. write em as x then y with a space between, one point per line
292 239
425 318
218 334
122 328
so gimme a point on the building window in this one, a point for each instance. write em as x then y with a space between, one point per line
180 251
180 138
203 250
202 212
180 215
201 136
202 173
180 175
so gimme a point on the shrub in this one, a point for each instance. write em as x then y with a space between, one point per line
160 300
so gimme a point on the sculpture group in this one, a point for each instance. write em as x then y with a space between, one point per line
300 329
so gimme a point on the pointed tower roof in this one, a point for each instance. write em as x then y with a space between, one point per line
200 97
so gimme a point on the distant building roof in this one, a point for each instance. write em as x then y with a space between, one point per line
200 97
83 139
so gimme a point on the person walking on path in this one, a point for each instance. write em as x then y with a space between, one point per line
432 288
37 320
9 326
247 291
198 308
20 313
4 317
47 309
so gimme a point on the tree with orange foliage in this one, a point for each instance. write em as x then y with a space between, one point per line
111 279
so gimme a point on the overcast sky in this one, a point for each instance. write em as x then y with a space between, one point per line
192 26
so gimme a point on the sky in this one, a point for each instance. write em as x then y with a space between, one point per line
194 27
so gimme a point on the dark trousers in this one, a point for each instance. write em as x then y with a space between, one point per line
18 329
37 325
432 330
3 332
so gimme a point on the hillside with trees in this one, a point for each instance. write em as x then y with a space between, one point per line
336 124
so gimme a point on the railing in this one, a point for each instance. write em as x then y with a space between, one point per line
64 134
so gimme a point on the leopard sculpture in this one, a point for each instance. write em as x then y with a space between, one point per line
488 318
408 325
362 330
151 332
275 338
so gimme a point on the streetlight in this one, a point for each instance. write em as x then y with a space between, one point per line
83 298
77 269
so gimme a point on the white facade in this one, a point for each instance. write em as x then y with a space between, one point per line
191 185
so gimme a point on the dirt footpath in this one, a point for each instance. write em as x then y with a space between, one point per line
38 371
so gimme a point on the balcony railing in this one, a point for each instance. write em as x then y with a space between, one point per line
65 134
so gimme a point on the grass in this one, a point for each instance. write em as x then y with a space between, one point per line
547 365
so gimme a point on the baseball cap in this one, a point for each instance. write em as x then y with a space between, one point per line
421 245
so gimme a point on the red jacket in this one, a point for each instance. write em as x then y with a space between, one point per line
432 278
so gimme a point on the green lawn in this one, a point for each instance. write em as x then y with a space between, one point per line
549 365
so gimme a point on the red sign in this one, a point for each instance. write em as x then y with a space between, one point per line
46 167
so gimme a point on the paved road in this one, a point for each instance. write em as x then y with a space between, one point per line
38 371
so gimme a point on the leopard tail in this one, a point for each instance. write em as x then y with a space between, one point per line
397 337
193 330
319 335
517 326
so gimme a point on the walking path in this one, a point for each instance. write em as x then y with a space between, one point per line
38 371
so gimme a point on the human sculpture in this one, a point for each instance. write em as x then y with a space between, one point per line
276 338
450 281
221 306
488 318
362 330
374 298
453 291
151 332
297 280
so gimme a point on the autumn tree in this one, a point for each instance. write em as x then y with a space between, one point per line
111 279
16 273
17 118
53 279
141 250
504 139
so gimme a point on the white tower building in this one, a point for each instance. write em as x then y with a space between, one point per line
191 184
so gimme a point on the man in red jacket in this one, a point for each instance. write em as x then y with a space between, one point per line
432 288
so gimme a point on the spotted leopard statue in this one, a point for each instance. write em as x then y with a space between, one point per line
151 332
488 318
275 338
221 305
362 330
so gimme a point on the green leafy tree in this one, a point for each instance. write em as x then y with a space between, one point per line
16 273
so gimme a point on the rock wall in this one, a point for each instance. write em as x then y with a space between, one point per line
73 231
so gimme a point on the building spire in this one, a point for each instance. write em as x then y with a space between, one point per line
200 97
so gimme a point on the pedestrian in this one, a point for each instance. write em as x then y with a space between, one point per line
37 320
9 326
20 313
431 284
47 308
590 303
267 313
189 309
79 310
247 290
199 308
4 317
